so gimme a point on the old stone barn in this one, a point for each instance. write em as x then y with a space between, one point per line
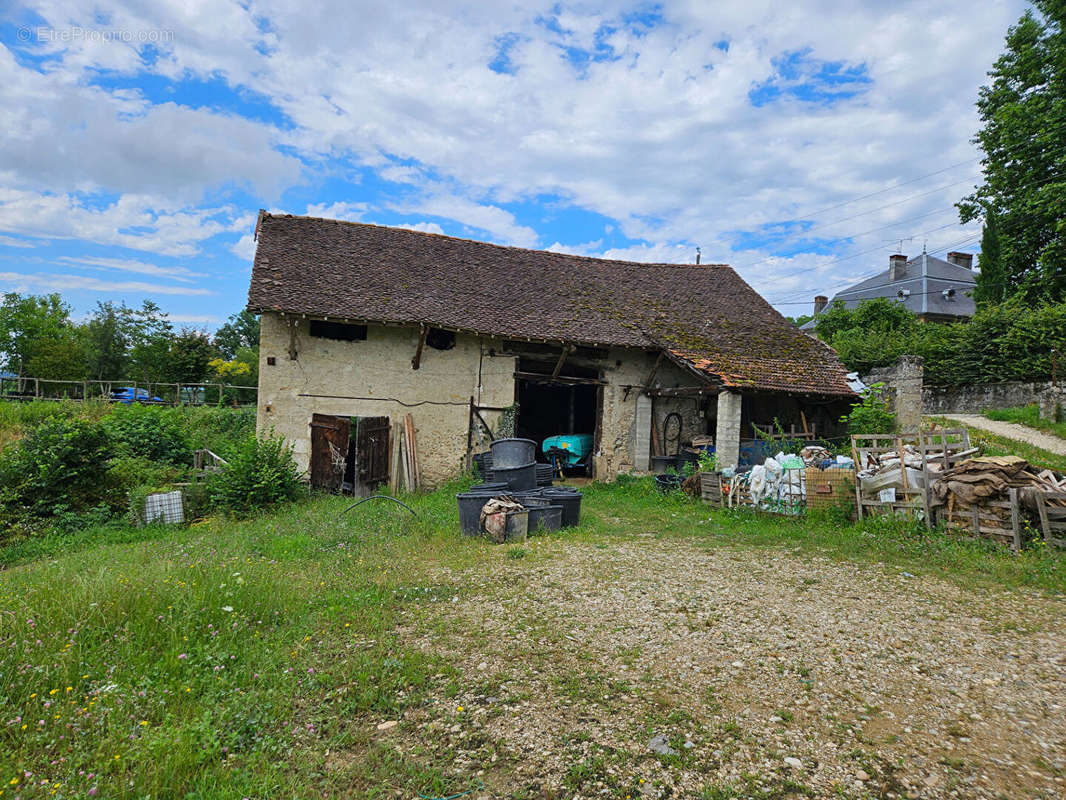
363 325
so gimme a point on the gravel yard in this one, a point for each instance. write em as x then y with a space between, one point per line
666 667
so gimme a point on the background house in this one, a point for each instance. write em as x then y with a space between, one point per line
934 289
363 324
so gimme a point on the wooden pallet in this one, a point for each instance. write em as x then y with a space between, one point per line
711 488
1051 506
1000 520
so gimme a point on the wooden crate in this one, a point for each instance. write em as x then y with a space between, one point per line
711 488
1000 520
829 487
910 500
1051 507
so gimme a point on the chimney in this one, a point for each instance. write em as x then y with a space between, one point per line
897 267
820 302
961 259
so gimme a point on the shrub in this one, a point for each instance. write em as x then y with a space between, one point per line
59 468
260 472
150 433
870 415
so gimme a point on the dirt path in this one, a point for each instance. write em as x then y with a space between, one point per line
765 673
1012 430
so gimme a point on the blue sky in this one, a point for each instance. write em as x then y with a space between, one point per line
801 144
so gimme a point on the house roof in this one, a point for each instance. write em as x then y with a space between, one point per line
927 279
705 316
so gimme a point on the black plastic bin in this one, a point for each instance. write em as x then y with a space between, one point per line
517 479
548 518
570 500
513 453
470 505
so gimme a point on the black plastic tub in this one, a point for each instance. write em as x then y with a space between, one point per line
513 453
488 487
470 505
547 518
570 501
517 479
483 462
667 483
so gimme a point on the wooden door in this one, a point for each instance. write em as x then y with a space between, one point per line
373 436
329 451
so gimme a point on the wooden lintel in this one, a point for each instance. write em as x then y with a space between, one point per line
416 362
536 376
681 391
567 350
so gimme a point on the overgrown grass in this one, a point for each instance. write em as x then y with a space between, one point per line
215 427
226 660
1028 415
994 445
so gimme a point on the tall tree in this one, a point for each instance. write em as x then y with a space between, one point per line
190 353
1023 111
240 330
109 333
150 333
31 325
991 279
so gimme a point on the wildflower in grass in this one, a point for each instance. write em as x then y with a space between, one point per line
183 655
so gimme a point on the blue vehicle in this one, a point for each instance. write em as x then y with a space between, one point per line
128 395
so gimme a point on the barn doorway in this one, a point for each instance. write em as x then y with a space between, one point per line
549 408
349 455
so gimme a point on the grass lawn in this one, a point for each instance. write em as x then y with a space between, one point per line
237 659
1028 415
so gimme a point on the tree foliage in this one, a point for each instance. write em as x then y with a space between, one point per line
241 330
991 278
1023 111
1009 341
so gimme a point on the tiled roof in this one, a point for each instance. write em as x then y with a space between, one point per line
706 316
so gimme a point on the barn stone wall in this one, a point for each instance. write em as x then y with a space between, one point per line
379 367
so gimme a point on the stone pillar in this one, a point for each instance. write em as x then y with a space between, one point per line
908 393
727 435
642 434
1051 403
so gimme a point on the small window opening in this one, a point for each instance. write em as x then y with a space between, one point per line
440 339
338 330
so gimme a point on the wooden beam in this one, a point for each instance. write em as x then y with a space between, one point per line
681 391
536 376
416 362
567 350
654 369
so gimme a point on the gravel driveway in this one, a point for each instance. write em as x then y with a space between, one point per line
1012 430
658 667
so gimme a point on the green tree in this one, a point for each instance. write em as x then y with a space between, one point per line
991 279
240 330
1023 111
36 328
109 333
190 353
150 334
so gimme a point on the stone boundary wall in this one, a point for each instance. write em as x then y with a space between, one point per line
982 397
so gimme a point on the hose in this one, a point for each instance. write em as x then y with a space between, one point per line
381 497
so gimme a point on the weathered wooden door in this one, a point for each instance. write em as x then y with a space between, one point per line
373 437
329 451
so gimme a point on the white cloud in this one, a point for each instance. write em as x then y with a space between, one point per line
424 227
660 138
176 273
11 241
65 283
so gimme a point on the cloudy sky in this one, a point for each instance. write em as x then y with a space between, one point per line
801 142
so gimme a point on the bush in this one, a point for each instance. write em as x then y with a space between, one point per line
260 472
150 433
59 468
870 415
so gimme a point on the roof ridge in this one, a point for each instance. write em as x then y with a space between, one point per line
399 228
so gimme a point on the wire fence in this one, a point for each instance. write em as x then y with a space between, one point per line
24 388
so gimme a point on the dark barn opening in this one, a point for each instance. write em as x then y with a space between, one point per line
568 404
